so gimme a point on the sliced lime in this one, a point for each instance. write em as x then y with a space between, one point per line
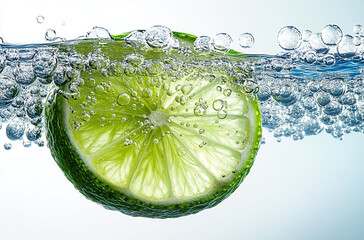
161 138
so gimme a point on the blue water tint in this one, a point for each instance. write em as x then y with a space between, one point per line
302 92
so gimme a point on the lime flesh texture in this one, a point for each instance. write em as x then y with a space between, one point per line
154 146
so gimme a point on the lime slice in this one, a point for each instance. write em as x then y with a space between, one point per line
153 136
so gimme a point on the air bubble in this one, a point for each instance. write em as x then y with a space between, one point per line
331 35
310 57
317 44
24 74
357 40
289 38
40 19
8 90
158 36
7 146
346 47
136 38
33 133
123 99
222 114
227 92
246 40
222 42
306 35
44 63
34 108
329 59
50 35
27 144
218 104
98 33
186 89
202 44
15 129
358 29
199 111
147 92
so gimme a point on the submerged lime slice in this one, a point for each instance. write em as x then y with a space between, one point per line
154 137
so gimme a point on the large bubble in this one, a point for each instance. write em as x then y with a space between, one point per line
289 38
158 36
331 34
346 48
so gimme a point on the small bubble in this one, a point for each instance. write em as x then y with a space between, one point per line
222 42
289 38
40 143
199 111
40 19
358 29
329 59
7 146
147 92
218 104
123 99
227 92
310 57
27 143
86 117
246 40
357 40
222 114
331 34
155 141
201 131
99 89
50 35
186 89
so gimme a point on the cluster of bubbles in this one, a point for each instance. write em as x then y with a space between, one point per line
316 85
221 42
324 46
25 77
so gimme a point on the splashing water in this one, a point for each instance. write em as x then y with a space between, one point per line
316 85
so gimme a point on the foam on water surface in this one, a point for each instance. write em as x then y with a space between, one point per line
316 85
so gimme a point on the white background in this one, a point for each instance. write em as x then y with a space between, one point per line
312 189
